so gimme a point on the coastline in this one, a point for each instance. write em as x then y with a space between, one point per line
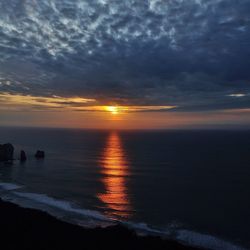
25 228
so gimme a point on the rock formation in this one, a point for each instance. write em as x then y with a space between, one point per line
40 154
6 152
23 156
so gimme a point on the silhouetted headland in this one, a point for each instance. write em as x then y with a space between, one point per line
23 228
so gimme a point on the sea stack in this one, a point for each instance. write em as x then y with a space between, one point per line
40 154
6 152
23 157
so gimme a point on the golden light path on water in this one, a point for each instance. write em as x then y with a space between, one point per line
115 170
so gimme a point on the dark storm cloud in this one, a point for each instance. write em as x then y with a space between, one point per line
190 53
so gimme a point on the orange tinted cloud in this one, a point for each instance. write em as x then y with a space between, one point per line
19 102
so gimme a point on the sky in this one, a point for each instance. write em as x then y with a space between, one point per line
160 63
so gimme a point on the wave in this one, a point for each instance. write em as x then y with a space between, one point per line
69 212
60 204
9 186
187 237
205 241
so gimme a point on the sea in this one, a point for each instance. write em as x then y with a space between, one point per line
192 186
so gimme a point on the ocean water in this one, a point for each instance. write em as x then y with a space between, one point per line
193 186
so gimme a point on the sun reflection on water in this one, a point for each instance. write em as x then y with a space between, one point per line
115 171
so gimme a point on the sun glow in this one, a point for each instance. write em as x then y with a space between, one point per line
113 109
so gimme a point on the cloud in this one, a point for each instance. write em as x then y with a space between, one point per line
191 54
17 102
238 95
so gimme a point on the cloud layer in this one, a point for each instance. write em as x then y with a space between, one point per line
193 54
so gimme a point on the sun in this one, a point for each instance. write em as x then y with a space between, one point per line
113 109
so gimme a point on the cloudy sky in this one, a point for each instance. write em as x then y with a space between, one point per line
181 58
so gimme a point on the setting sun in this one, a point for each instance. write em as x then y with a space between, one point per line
113 109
